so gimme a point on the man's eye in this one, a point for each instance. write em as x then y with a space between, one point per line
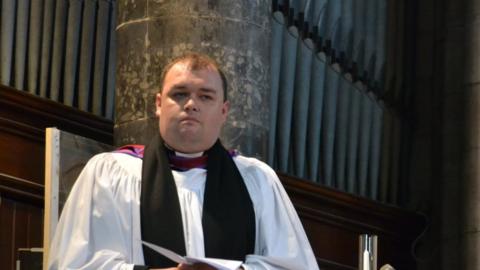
179 95
206 97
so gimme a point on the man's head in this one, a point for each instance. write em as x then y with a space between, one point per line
192 105
196 61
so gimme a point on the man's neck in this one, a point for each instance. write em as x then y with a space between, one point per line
185 155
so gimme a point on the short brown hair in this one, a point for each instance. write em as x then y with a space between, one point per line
195 61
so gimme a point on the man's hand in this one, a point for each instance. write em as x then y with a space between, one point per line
196 266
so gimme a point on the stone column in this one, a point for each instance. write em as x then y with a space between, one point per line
234 33
452 133
461 136
447 144
469 100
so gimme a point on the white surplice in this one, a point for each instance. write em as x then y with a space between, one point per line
100 224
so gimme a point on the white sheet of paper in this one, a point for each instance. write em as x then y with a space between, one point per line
220 264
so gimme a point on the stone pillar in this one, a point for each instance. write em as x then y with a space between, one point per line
447 143
234 33
461 136
469 100
452 133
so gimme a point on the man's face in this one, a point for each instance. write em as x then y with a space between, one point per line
191 108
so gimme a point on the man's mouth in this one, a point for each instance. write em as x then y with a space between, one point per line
189 120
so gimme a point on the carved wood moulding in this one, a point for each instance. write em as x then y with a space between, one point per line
23 113
21 189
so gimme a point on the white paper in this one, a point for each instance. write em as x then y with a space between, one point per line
220 264
166 252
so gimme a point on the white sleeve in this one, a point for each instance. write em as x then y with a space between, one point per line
95 227
281 242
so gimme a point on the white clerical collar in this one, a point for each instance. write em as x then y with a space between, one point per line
190 155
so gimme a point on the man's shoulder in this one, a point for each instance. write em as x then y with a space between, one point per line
134 150
248 161
105 157
115 162
124 156
251 164
260 179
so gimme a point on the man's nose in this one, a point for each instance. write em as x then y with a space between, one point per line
191 104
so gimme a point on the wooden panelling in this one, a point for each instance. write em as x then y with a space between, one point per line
21 189
7 241
33 114
20 227
334 220
23 119
22 156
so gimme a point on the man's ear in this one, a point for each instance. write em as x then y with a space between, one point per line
225 109
158 104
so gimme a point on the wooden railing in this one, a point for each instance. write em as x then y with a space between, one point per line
334 220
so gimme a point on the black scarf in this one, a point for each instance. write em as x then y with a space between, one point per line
228 218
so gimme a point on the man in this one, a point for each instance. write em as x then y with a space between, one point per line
187 194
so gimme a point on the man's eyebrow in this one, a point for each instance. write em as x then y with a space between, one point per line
208 90
181 86
178 86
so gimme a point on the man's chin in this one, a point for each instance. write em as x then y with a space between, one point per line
189 134
189 138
